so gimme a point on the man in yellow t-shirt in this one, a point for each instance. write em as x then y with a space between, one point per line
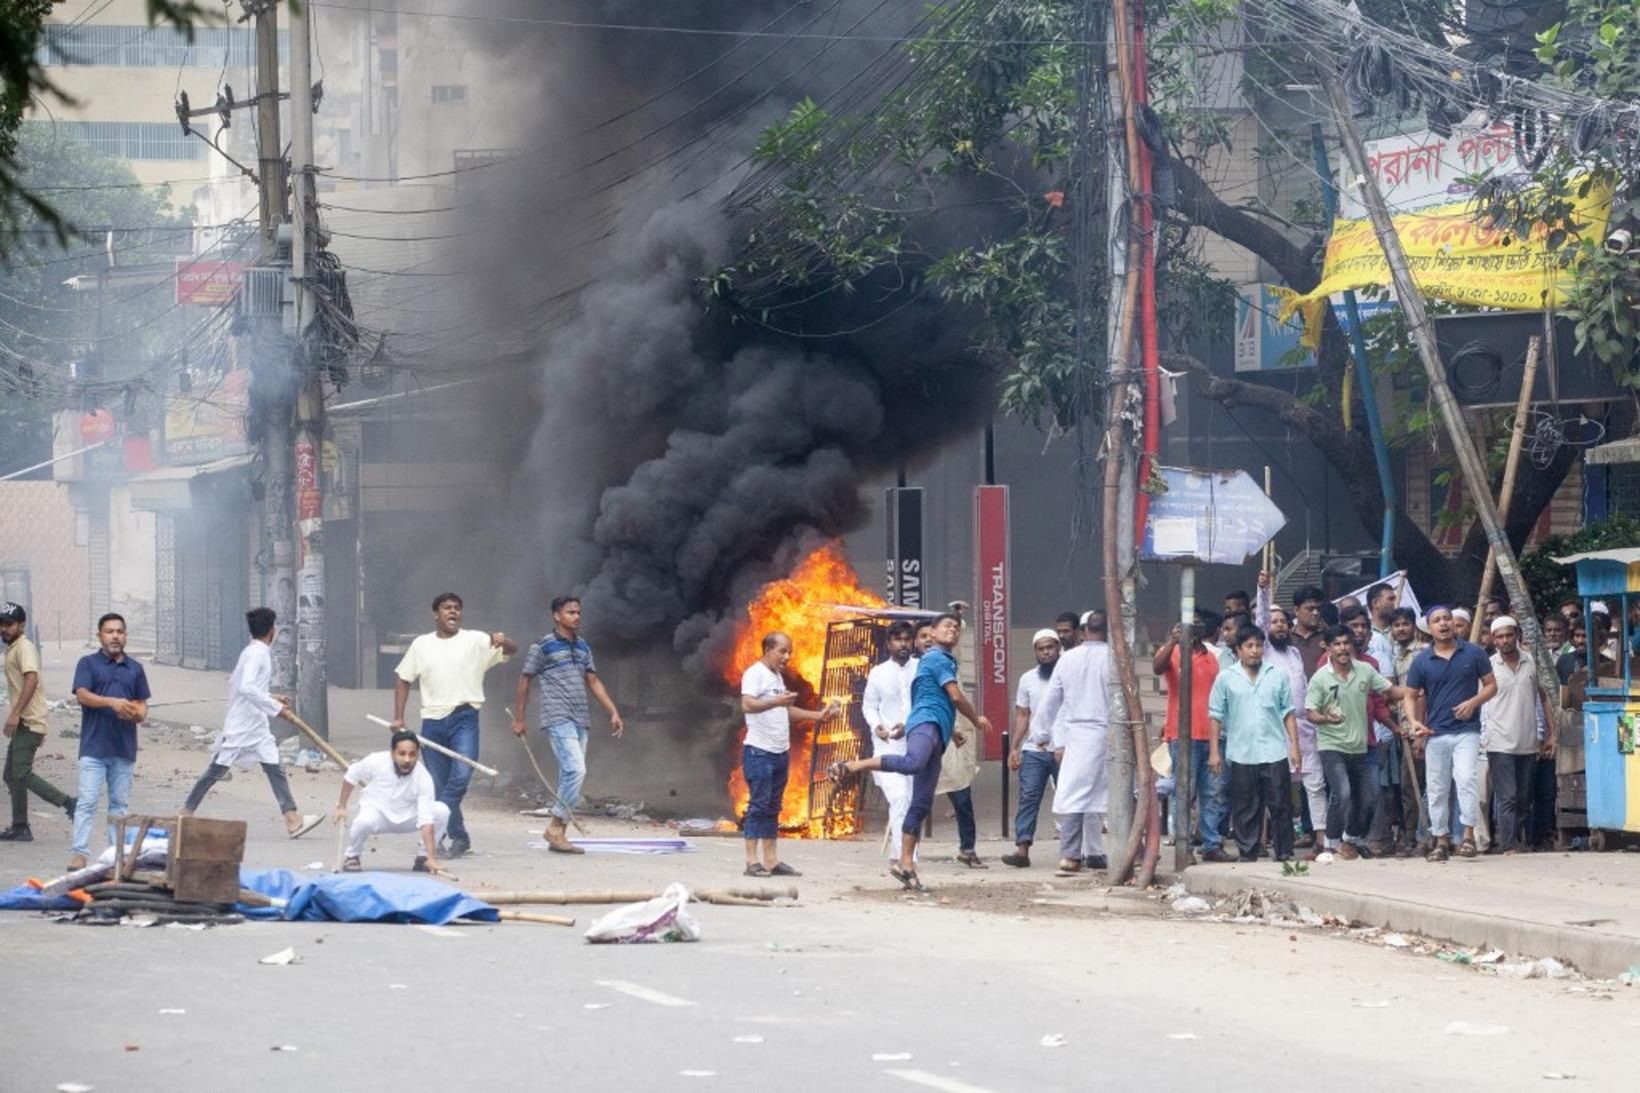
449 665
25 726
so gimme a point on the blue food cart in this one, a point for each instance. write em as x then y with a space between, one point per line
1611 712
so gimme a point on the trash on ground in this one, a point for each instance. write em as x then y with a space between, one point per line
664 918
1396 941
74 1087
1380 1004
1492 956
749 1038
284 1047
1053 1039
1191 905
697 1073
280 958
1183 1036
173 1012
1558 1075
596 1006
891 1057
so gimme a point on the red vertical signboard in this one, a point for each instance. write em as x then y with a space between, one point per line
991 610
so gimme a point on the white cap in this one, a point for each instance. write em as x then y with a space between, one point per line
1087 617
1463 613
1599 607
1043 635
1504 622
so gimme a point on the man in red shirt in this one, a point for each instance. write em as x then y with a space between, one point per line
1211 790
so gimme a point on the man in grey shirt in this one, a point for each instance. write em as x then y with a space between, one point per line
562 662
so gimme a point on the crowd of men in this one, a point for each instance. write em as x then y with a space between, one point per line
415 786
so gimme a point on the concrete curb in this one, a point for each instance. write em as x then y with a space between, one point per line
1603 957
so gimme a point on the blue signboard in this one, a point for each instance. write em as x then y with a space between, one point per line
1208 516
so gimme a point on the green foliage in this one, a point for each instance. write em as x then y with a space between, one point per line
1551 582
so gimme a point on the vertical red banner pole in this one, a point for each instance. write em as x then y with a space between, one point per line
992 607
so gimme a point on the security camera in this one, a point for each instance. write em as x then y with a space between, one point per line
1619 241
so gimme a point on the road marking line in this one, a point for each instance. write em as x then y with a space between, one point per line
934 1081
645 993
438 931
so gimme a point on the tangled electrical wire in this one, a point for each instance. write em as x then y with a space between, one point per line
1546 433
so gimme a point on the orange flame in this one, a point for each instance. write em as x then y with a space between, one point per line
798 607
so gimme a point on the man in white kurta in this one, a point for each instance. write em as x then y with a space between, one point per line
1077 704
884 705
396 796
247 736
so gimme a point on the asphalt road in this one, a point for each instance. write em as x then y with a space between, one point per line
853 988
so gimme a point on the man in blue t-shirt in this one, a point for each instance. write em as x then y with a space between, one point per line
936 699
112 690
1447 684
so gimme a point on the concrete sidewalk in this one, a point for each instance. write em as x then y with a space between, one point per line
1583 909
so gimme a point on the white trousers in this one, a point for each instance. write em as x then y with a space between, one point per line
1315 791
370 822
897 792
1081 835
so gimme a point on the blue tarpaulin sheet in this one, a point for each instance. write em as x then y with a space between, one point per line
362 897
326 897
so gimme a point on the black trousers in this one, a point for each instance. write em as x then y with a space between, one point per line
1256 789
1541 827
1511 777
213 774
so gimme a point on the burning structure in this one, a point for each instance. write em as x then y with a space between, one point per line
837 629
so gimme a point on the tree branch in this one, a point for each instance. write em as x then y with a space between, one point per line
1197 201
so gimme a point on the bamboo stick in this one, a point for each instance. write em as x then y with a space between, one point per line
1506 493
528 916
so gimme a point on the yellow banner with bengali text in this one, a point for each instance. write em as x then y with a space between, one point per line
1453 257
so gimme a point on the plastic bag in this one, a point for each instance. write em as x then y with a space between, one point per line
664 918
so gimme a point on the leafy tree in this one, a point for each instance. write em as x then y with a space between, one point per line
1552 582
885 192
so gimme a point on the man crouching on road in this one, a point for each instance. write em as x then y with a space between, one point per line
395 797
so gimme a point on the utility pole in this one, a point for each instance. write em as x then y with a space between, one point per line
1423 336
311 692
278 548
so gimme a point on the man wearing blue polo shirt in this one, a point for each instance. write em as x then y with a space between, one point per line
112 690
936 699
1447 684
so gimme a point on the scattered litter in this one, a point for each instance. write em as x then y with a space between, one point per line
1176 891
1323 858
1191 905
437 931
1630 978
284 1047
1396 941
173 1012
891 1057
282 957
596 1006
316 865
133 1047
749 1038
1455 956
74 1087
706 827
1546 968
1552 968
698 1073
194 926
664 918
1558 1075
1380 1004
1475 1028
140 920
397 987
1183 1036
1053 1039
1490 957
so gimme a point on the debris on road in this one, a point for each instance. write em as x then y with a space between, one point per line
891 1057
1053 1039
280 958
665 918
1475 1028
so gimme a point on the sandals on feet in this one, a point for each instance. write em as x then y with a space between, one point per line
1466 849
351 865
781 869
907 877
756 870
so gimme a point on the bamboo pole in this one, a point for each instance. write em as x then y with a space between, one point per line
530 916
318 741
1507 493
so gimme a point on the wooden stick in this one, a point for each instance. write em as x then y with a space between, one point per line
704 895
1507 492
528 916
1269 547
440 748
318 741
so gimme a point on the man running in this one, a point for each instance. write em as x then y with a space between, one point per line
936 699
246 735
26 724
562 660
449 665
396 796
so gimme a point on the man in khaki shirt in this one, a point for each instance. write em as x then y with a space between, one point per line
25 726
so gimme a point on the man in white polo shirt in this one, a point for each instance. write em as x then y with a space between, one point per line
395 796
449 665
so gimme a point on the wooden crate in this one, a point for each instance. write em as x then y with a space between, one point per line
205 859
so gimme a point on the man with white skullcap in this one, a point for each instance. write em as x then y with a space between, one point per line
1509 732
1032 754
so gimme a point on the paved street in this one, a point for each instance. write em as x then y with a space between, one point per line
856 987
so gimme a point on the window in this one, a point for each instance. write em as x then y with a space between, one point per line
1623 489
151 47
132 139
449 92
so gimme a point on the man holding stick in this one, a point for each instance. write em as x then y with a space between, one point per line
246 735
562 661
396 796
449 665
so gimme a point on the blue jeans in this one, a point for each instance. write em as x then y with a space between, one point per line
766 773
1035 768
1212 793
457 731
962 803
569 747
94 775
1452 757
923 751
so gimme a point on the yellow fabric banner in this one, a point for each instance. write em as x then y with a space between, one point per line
1453 257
